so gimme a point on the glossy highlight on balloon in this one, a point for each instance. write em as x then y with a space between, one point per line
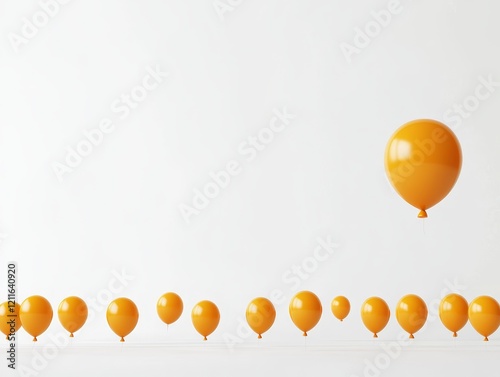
453 312
305 311
375 314
260 315
9 312
484 315
36 315
423 159
411 313
72 313
205 317
169 307
122 316
340 307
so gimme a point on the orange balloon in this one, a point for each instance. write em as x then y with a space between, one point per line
260 315
122 316
205 317
72 313
340 307
36 315
484 315
169 307
375 314
423 159
305 310
9 318
411 313
453 312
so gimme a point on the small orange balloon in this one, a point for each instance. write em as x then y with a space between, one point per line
260 315
205 317
169 307
122 316
341 307
10 321
423 159
36 315
305 311
411 313
453 312
484 315
72 313
375 314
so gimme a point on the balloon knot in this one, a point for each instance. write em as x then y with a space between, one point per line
375 335
259 337
304 334
122 339
486 339
205 338
411 336
71 335
35 339
422 214
455 334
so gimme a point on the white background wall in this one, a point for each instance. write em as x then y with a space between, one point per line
322 176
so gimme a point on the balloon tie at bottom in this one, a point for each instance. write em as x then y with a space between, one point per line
422 214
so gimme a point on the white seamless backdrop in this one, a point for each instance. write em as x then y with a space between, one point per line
226 150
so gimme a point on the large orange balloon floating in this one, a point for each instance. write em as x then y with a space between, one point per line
122 316
169 307
423 159
72 313
36 315
484 315
411 313
375 314
305 311
260 315
453 312
340 307
205 317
